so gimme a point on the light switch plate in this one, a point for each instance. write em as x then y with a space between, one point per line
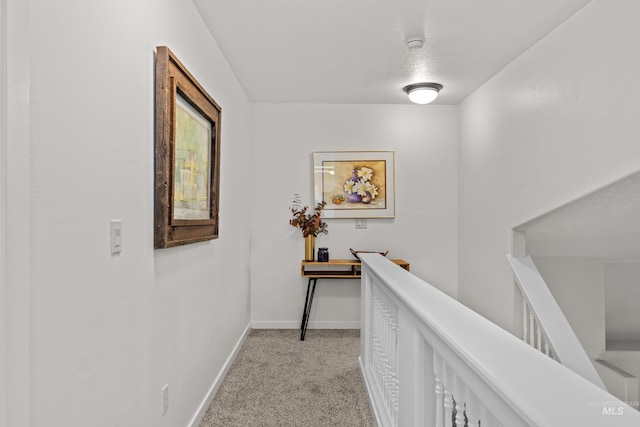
361 223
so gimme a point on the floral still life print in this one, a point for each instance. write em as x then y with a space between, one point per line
355 184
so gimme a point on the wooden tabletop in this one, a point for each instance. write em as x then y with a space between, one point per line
338 268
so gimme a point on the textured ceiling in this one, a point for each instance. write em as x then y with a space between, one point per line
354 51
603 224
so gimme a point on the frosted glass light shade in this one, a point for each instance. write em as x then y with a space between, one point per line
423 93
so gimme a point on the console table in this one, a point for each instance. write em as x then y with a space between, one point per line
333 269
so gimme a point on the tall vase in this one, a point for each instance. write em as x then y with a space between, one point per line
309 247
352 197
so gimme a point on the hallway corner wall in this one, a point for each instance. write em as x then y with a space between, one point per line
108 332
557 123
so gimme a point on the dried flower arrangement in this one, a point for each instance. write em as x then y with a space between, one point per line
310 224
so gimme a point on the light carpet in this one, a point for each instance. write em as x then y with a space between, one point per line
278 380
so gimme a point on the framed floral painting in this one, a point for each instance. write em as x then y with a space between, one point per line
355 184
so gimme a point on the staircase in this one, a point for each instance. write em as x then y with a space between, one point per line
545 328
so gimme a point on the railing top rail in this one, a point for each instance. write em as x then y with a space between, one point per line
539 389
551 319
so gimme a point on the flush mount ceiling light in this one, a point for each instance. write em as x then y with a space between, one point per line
423 93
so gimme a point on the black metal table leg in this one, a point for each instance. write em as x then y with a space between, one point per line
307 307
306 302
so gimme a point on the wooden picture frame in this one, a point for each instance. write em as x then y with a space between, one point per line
187 156
355 184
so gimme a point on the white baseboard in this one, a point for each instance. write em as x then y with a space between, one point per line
295 324
202 409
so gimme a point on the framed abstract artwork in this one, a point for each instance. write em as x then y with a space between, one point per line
355 184
187 156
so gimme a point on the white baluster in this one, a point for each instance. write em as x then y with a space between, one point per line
546 347
539 337
381 356
386 364
459 393
437 370
472 408
382 359
525 322
448 398
374 338
376 343
395 390
532 337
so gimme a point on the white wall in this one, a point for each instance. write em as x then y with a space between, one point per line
16 304
578 286
622 303
423 232
560 121
107 332
3 210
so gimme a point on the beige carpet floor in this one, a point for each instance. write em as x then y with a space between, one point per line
278 380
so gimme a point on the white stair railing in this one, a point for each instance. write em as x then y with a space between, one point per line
532 333
428 360
544 325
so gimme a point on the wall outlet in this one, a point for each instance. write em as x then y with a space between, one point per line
361 224
165 399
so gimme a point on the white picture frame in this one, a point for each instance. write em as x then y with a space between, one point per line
355 184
